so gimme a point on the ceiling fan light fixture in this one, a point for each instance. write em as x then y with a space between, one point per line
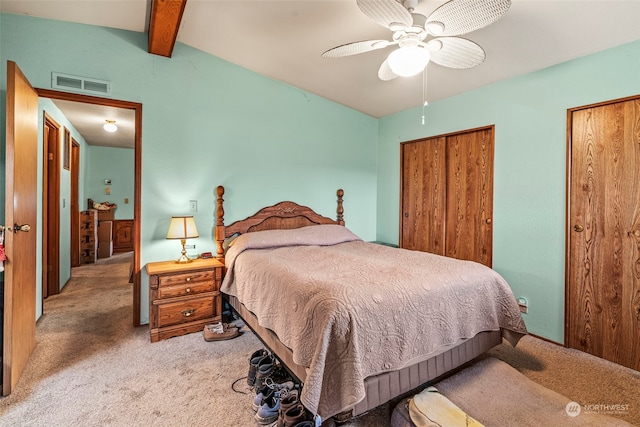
110 126
409 60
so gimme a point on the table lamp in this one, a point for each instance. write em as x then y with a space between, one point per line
183 228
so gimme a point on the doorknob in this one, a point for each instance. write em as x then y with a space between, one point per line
406 214
23 227
488 220
578 228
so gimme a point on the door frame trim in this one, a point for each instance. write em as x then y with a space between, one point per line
567 258
137 107
74 162
51 214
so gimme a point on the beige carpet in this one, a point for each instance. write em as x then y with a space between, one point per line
496 394
91 368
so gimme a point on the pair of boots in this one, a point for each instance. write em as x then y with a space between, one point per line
260 366
293 414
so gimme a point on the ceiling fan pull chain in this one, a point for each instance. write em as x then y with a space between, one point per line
424 92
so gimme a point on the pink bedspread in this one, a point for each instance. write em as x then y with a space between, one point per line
350 309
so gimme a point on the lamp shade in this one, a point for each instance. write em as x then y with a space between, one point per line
182 227
409 60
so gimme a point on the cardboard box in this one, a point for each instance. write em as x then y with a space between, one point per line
105 231
105 249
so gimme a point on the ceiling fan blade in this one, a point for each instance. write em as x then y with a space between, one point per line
356 48
456 52
385 73
457 17
385 12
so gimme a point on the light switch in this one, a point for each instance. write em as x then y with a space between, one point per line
107 190
126 200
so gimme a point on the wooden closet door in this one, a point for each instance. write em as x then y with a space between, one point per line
446 195
423 195
470 196
603 232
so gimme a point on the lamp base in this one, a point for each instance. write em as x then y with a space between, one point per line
183 258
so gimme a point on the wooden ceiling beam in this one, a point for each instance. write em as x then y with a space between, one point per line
164 25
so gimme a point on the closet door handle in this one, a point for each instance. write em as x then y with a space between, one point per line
579 228
488 221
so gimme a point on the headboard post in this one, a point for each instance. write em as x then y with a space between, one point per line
219 230
340 209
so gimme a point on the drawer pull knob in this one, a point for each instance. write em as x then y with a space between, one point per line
188 312
188 290
188 279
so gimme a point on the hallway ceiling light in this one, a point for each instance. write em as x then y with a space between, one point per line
110 126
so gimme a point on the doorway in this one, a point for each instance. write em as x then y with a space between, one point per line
137 109
73 204
602 313
51 206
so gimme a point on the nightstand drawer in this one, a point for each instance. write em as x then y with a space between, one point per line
186 278
190 288
183 298
174 313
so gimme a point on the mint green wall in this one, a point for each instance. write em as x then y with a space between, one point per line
529 113
208 122
116 164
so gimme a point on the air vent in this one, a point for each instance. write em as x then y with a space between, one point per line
80 84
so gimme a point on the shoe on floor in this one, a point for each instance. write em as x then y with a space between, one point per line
254 359
295 415
268 412
269 387
286 402
219 331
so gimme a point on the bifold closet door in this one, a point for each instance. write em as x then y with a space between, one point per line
423 195
470 196
446 195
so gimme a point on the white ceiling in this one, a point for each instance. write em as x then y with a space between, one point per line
284 40
88 119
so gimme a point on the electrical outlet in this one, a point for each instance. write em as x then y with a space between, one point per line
523 304
193 206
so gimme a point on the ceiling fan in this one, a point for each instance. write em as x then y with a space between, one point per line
410 32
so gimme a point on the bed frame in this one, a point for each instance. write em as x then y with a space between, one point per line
379 388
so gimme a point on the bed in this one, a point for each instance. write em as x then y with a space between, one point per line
357 323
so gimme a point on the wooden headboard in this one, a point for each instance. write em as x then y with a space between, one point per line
281 216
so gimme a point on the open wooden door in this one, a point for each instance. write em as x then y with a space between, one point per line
19 337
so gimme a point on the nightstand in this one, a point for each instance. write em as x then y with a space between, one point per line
183 297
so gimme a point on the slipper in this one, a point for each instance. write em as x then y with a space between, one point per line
219 332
